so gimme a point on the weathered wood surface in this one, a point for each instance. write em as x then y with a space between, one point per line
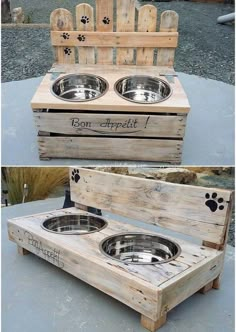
197 211
112 148
92 124
176 103
140 285
152 325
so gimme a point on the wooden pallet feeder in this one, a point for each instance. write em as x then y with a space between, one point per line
111 127
127 262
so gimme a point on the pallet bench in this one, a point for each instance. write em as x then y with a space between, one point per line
81 130
152 290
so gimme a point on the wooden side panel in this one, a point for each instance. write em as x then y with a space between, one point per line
169 22
104 23
85 22
111 148
100 124
196 211
62 20
147 22
125 22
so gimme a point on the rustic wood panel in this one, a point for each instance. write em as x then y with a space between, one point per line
125 22
147 21
84 23
169 23
191 210
111 148
104 23
116 39
91 124
61 19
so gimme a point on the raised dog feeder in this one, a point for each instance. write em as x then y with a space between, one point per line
143 89
139 248
81 87
122 100
74 224
147 271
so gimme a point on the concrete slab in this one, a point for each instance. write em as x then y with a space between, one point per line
209 136
37 296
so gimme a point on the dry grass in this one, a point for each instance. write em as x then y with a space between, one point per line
41 181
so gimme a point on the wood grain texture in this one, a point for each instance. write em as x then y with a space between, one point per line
84 23
104 23
177 207
114 148
169 23
101 124
147 22
61 19
125 17
152 325
177 103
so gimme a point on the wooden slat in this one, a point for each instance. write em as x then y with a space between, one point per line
169 23
61 19
84 23
125 22
159 150
177 207
94 124
116 39
104 23
147 22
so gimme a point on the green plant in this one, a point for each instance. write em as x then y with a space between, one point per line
41 182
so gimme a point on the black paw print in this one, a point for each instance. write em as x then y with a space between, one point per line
106 20
81 37
67 51
213 203
75 175
84 19
65 35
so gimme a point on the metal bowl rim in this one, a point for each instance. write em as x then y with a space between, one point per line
83 100
142 102
140 263
74 232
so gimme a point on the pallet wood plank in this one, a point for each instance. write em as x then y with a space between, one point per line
61 19
147 21
152 325
84 23
125 22
169 22
104 23
185 209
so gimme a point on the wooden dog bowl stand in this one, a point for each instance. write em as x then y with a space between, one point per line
111 127
152 290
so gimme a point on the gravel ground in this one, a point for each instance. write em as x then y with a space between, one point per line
205 48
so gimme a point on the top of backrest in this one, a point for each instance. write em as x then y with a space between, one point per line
120 27
197 211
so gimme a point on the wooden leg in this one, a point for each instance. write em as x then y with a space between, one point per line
22 251
206 288
152 325
216 283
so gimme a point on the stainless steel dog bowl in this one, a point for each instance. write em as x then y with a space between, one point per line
143 89
140 248
81 87
74 224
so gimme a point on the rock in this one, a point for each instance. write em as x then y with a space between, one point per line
18 15
211 170
117 170
174 175
5 11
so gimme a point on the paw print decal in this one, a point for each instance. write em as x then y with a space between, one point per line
81 38
67 51
65 35
75 175
106 20
213 202
84 19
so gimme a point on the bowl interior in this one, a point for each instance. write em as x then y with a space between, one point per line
81 87
143 89
74 224
140 248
